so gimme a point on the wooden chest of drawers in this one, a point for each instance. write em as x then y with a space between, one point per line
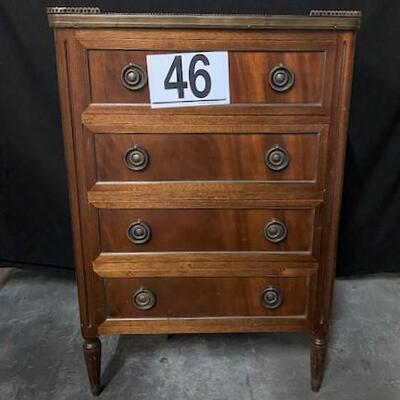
205 219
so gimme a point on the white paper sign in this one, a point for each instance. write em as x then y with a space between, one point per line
188 79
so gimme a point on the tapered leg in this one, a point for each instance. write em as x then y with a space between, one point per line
318 351
92 352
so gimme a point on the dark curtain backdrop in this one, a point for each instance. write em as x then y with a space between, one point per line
34 214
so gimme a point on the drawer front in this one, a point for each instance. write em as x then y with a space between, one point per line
277 77
186 157
207 297
268 230
300 79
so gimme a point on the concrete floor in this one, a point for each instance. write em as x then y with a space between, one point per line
41 359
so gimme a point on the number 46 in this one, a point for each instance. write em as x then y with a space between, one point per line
181 85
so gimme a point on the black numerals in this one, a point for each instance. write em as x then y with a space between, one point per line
180 84
193 75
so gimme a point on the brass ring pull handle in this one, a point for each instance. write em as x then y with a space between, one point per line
133 76
275 231
136 158
139 232
281 78
277 158
271 298
144 299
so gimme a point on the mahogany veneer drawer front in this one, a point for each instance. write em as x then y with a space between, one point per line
185 157
208 297
205 219
309 75
273 230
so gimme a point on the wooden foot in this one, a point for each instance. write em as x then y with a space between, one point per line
92 352
318 351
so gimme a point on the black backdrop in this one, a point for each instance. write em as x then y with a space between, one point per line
34 221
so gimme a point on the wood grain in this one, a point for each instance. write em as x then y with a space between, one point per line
128 118
61 40
207 230
203 194
118 326
248 72
335 174
70 78
243 264
208 157
105 74
206 193
85 171
207 297
92 354
248 75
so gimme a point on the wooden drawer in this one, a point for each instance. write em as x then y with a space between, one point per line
288 230
207 297
255 76
186 157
